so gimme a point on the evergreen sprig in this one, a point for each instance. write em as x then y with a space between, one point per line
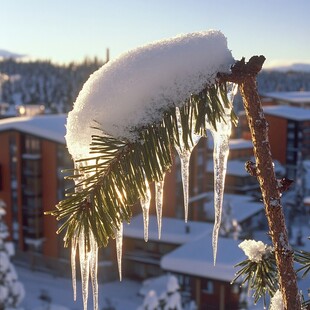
261 276
108 183
303 258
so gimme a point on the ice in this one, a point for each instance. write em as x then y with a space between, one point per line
145 204
221 136
119 248
94 269
139 86
135 90
73 265
220 155
89 266
159 191
84 256
184 155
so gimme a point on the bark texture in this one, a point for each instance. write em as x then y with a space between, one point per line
244 74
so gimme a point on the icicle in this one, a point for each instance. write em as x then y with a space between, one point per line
159 191
84 263
145 204
220 155
184 156
73 266
119 250
94 269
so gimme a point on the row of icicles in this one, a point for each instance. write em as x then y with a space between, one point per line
89 260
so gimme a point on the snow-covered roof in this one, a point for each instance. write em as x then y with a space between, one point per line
227 196
50 127
239 210
174 231
234 144
234 167
289 96
237 168
196 258
288 112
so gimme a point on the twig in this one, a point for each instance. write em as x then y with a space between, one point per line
244 74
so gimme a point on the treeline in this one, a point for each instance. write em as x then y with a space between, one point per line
42 82
270 81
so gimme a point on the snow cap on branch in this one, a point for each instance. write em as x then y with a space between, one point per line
135 89
254 250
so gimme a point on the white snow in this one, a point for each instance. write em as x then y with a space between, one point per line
134 89
237 144
123 295
196 258
150 301
276 302
51 127
235 167
254 250
289 96
288 112
241 210
175 231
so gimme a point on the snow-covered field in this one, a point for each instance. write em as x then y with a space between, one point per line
123 295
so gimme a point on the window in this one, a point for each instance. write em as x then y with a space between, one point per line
207 286
31 145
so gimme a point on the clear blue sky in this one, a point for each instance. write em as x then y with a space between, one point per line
65 30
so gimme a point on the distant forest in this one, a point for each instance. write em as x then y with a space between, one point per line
57 86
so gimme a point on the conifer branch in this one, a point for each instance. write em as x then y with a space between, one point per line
114 177
260 277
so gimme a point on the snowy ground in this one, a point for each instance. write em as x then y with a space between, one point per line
123 295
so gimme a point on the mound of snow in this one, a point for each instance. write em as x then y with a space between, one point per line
135 89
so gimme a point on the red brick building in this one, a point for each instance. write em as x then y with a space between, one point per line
32 155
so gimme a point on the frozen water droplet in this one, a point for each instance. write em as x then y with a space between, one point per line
159 191
184 155
73 266
94 269
145 204
119 249
84 264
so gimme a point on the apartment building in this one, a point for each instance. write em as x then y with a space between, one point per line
32 155
288 116
289 135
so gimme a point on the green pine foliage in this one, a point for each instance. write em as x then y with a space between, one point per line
114 178
260 277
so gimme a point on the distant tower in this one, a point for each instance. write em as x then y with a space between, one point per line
107 57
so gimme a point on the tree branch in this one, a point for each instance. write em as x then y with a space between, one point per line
244 74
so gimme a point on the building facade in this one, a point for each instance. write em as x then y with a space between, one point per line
33 153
